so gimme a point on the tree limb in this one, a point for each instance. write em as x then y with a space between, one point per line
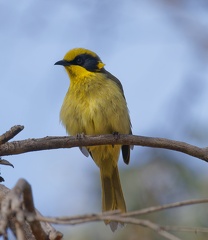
47 143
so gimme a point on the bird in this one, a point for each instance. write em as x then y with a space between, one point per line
94 105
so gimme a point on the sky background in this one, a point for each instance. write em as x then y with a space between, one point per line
154 48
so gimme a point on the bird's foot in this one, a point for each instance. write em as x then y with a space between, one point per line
84 150
80 136
116 135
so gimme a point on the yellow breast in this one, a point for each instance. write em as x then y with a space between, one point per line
94 105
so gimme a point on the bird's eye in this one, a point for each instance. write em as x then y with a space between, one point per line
79 61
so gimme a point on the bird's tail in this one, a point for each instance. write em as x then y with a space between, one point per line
112 195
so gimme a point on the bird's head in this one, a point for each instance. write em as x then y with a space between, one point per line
79 61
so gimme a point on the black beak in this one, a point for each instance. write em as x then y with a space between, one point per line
63 63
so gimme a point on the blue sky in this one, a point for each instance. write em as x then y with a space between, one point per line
139 43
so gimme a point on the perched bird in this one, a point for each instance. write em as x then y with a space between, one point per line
95 104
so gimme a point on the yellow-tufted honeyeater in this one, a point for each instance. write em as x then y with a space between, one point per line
95 104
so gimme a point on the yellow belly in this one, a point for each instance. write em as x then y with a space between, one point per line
96 106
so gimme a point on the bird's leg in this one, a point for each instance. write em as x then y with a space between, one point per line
116 135
84 150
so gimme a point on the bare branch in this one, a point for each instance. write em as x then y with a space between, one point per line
111 215
21 195
186 229
17 204
10 134
23 187
53 234
6 216
46 143
19 231
146 223
128 218
164 207
23 191
114 216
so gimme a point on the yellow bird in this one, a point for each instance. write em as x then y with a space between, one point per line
95 104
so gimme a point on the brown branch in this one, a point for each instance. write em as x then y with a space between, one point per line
128 218
17 204
21 195
23 188
7 219
186 229
10 134
52 233
164 207
110 215
46 143
146 223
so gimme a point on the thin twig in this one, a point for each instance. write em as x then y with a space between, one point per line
185 229
10 134
113 217
150 225
126 217
164 207
110 215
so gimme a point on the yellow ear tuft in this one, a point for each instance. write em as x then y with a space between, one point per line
100 65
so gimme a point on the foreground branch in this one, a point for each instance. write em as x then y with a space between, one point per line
16 205
46 143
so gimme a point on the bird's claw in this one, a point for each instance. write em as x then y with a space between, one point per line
80 136
116 135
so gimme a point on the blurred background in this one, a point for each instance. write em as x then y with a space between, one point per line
159 51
